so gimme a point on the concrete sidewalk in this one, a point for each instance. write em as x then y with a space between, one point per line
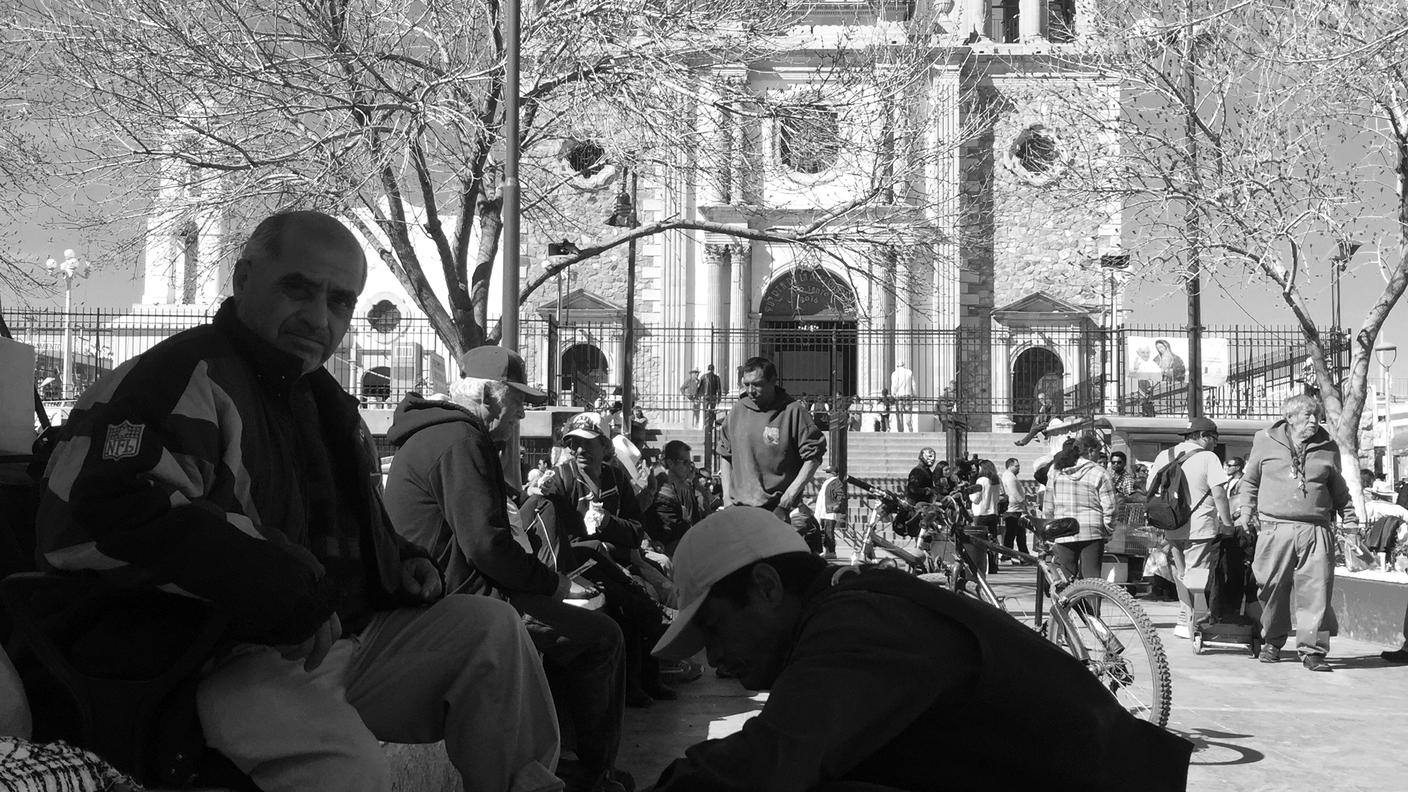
1255 726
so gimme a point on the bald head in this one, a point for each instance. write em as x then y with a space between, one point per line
297 282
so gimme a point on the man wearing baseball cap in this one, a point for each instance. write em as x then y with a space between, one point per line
878 678
446 492
1190 550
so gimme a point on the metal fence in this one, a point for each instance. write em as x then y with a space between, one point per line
988 377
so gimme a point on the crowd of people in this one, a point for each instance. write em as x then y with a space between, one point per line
226 465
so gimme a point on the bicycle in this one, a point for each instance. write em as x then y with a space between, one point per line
916 521
1097 622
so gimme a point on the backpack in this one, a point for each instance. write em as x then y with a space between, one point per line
1167 507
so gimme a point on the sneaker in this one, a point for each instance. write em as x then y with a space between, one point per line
1269 654
1315 662
1182 631
1396 656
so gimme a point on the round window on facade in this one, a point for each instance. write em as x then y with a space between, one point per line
1037 155
586 158
808 137
384 316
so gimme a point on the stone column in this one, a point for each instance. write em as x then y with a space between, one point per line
1029 20
718 257
740 312
975 18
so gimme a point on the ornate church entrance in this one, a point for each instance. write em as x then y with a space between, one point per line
1036 369
584 373
808 328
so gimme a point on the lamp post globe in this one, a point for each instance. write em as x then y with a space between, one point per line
1387 354
70 268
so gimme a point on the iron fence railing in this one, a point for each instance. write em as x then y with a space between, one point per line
985 377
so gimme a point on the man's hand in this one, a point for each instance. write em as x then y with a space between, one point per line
574 589
421 579
315 647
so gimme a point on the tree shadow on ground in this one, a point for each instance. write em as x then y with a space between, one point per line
1372 661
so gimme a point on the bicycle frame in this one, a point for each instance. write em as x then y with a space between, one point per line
1050 580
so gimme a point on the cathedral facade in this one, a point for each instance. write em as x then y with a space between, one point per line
988 302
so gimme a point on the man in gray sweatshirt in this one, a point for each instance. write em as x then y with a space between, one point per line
1293 483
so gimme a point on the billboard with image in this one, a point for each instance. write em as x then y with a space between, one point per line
1153 362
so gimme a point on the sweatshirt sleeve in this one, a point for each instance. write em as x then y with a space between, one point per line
463 482
1251 475
811 442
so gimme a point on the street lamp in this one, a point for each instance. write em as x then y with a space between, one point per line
624 216
71 267
1386 354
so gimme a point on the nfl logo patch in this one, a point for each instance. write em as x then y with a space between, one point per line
124 441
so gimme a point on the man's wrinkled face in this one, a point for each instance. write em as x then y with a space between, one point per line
747 641
302 302
757 387
1303 423
928 457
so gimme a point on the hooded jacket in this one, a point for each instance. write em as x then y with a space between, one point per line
766 448
1086 492
1271 489
446 492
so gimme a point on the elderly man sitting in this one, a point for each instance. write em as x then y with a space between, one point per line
446 492
227 464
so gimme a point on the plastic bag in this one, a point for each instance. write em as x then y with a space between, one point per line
1357 557
1157 563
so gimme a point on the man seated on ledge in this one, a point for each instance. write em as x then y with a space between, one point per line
227 464
880 681
446 492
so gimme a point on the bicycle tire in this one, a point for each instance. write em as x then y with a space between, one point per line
1138 675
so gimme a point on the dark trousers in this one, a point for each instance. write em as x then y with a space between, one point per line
984 526
1013 530
1080 559
581 652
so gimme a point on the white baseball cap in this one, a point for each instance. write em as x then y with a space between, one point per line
719 545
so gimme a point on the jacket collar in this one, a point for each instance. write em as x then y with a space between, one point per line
275 369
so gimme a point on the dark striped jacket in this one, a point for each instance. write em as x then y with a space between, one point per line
180 470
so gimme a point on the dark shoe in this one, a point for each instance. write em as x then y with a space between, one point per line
1020 443
1269 654
722 674
1396 656
1315 662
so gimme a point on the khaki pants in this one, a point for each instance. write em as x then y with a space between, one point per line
1183 555
1296 560
462 670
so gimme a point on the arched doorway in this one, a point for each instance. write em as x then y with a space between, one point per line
584 373
376 384
808 328
1036 369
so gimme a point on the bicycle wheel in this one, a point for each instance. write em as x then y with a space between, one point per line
1124 650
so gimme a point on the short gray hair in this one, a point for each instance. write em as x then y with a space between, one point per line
483 397
1299 402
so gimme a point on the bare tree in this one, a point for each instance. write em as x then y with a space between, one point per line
390 113
1257 140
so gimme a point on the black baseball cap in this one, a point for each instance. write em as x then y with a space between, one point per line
501 365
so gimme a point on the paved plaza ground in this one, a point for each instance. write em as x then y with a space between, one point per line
1255 726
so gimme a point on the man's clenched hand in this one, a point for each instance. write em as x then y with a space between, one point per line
420 579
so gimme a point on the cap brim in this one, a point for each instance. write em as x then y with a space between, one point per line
531 394
586 434
682 640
